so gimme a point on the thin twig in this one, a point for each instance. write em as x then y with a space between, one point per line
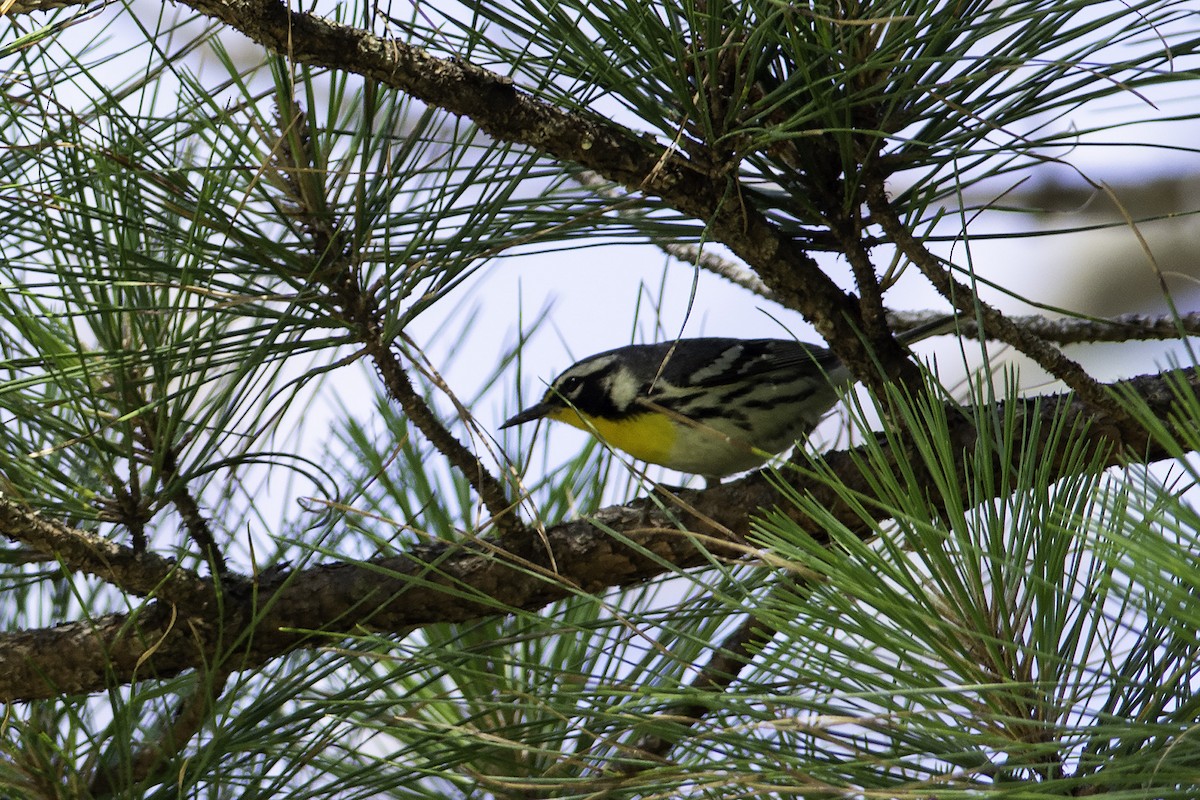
698 256
335 268
994 323
189 511
1075 330
399 388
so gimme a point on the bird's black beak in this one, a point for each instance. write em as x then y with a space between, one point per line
530 414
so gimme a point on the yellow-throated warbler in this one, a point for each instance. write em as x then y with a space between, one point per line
709 406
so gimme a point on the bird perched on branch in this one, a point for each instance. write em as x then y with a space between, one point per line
707 406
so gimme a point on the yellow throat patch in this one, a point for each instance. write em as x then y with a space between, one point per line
647 437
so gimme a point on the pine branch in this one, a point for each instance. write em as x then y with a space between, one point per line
142 574
994 323
618 153
458 582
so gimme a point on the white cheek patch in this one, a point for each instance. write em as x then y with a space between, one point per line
623 388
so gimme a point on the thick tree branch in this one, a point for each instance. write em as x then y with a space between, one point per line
453 582
140 573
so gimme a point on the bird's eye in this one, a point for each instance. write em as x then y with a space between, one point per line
570 386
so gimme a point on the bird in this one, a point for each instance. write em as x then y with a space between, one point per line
706 406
